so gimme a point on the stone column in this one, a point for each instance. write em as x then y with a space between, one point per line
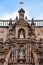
7 58
27 53
35 58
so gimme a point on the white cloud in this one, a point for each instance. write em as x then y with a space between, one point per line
7 15
13 15
27 13
40 16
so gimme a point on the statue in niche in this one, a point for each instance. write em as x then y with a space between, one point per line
21 34
21 54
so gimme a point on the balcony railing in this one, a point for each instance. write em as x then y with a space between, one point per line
6 22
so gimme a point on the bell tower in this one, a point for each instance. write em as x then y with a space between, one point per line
21 12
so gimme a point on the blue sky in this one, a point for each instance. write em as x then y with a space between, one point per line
9 8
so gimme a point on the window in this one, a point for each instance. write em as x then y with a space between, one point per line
21 33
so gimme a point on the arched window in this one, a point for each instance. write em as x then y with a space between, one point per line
21 33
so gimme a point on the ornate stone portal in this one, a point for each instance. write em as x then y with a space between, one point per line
21 46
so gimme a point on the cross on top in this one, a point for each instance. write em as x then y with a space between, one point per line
21 3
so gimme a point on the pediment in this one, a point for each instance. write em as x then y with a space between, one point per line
22 23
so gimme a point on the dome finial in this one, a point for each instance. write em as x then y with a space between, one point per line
21 3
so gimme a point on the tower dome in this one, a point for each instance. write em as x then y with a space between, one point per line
21 13
21 10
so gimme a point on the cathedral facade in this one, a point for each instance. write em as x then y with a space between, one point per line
21 41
